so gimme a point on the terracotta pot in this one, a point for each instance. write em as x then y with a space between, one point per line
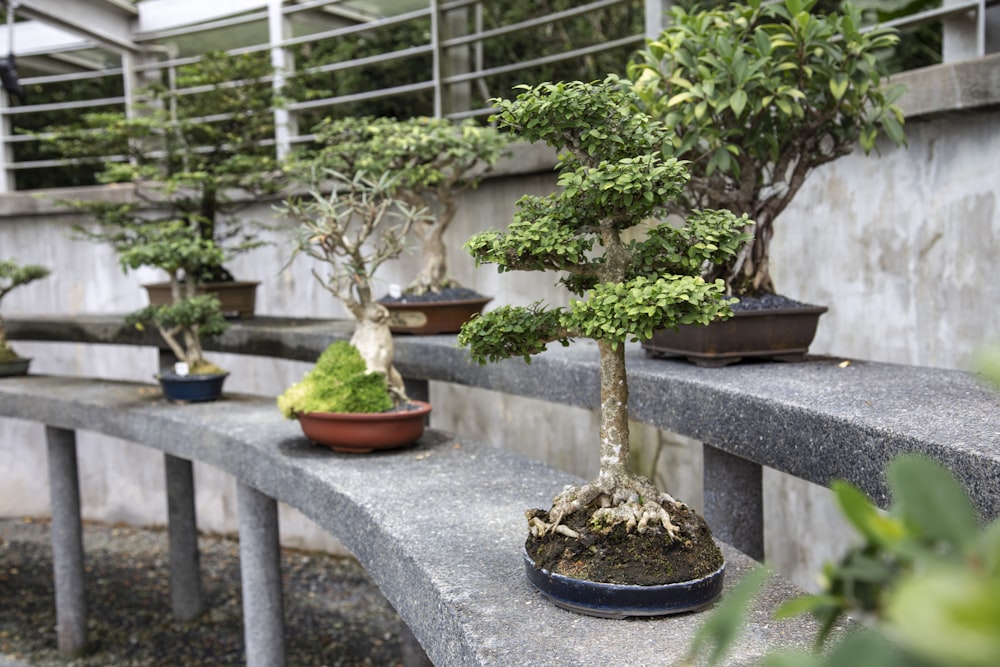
360 433
191 388
432 317
782 334
595 598
238 297
15 367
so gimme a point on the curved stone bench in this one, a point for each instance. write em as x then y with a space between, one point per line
819 420
439 527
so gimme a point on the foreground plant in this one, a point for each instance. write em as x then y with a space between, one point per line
12 276
759 96
614 176
355 229
924 576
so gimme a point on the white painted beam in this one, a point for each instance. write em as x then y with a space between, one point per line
109 22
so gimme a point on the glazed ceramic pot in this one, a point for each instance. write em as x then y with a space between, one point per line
360 433
595 598
191 388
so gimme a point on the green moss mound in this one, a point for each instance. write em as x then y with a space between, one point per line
337 383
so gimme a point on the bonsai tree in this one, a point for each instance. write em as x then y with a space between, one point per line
432 161
188 317
12 276
614 176
198 157
355 229
758 96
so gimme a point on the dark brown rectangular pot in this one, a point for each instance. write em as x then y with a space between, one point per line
238 297
432 317
782 334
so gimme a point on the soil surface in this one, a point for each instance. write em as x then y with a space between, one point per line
447 294
767 302
620 557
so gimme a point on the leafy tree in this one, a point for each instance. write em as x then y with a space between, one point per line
355 228
614 175
758 96
12 276
196 153
432 161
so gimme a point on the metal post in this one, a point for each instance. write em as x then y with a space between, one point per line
260 567
734 500
185 572
67 541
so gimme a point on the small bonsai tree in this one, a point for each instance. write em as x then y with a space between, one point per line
188 317
12 276
432 161
614 177
758 96
196 152
355 229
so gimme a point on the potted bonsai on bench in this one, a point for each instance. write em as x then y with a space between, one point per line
354 229
432 161
615 546
12 276
188 316
758 97
194 152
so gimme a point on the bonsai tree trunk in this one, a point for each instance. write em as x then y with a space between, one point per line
433 276
373 339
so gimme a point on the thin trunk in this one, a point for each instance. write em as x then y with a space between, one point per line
614 414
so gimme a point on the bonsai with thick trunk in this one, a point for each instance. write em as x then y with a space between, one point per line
354 229
432 161
12 276
758 97
614 177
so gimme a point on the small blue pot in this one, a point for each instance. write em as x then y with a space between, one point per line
191 388
595 598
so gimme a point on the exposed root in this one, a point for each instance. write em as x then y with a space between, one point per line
633 501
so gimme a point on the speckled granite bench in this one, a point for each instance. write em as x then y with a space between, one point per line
439 527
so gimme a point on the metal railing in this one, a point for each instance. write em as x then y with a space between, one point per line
452 72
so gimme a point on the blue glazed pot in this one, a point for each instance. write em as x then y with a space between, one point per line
595 598
191 388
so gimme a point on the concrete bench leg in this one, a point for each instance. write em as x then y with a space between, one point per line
67 541
734 501
260 568
185 572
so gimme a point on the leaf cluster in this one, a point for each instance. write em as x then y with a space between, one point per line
337 383
614 177
202 313
13 275
758 92
925 574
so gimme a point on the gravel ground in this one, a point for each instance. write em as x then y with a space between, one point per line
334 614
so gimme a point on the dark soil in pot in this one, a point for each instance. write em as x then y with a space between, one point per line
447 294
767 302
620 557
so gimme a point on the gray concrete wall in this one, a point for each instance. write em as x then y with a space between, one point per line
901 246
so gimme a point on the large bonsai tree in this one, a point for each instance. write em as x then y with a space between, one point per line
614 176
432 161
195 151
758 96
12 276
354 229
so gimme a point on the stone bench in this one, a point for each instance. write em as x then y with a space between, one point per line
439 527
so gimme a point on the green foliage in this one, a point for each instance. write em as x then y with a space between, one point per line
757 97
614 177
924 573
430 162
337 383
195 152
13 275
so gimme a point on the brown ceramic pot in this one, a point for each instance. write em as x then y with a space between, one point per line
238 297
360 433
432 317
